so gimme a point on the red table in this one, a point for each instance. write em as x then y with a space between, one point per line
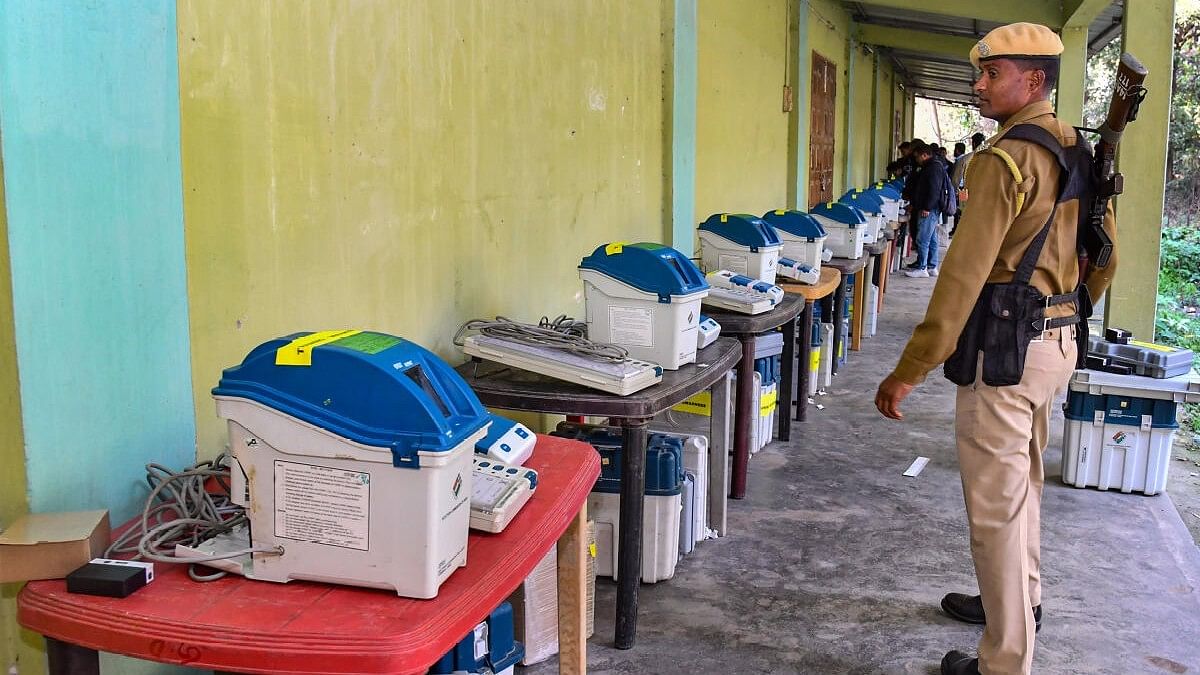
241 625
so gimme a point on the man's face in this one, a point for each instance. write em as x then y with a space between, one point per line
1003 89
922 158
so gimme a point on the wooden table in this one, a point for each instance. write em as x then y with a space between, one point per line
745 327
501 387
848 267
240 625
830 281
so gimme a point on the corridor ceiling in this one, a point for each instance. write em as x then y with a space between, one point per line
929 44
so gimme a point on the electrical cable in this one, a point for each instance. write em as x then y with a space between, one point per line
181 510
564 333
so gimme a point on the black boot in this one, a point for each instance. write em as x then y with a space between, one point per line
969 608
958 663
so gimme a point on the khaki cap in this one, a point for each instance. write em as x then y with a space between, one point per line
1016 41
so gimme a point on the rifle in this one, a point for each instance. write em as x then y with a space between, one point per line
1123 109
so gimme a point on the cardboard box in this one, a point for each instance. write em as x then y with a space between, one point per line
52 545
535 610
535 604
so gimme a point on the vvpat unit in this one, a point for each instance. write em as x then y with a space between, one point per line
646 298
871 205
891 200
846 227
802 236
661 507
1119 429
356 451
739 243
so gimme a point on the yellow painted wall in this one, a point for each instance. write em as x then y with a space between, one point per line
860 101
741 129
883 122
407 166
14 500
828 31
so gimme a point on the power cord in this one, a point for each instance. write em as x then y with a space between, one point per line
181 510
563 333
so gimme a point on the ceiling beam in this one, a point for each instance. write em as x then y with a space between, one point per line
916 41
1046 12
1081 13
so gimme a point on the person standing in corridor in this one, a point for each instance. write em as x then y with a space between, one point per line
1015 254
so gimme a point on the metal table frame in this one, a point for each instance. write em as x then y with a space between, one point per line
511 389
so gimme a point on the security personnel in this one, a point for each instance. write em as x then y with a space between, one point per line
1000 431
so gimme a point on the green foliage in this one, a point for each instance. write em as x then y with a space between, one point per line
1176 322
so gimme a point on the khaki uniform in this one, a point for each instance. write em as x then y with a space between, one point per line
1001 432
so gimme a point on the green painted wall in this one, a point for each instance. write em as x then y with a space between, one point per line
456 165
741 129
883 121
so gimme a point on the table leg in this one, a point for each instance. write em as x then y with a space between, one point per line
805 374
839 337
718 456
629 557
786 384
572 596
743 417
858 316
884 269
64 658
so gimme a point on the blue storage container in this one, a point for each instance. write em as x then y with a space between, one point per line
664 458
492 640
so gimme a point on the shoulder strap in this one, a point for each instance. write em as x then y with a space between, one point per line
1069 187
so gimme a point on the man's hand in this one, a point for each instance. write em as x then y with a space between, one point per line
924 214
891 392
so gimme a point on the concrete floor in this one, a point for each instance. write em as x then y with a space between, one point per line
835 563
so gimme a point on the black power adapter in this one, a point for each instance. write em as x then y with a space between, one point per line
110 578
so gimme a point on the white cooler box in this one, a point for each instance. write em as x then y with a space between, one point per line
846 227
354 449
739 243
646 298
825 367
802 236
1119 429
871 320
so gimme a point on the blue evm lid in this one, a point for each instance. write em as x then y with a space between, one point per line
887 191
795 223
648 267
741 229
371 388
866 201
839 213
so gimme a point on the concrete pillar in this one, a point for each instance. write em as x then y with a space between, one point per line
1072 74
800 81
1142 158
680 161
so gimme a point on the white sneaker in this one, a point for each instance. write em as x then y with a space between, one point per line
917 274
932 271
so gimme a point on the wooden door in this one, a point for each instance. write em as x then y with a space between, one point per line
822 127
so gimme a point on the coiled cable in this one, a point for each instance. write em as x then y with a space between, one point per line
182 510
563 333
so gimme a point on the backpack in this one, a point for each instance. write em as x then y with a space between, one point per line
949 202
